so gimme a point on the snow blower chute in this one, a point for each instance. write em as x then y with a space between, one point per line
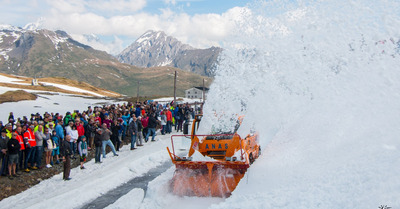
225 159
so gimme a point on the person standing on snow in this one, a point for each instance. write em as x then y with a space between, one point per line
151 127
98 143
105 136
145 123
82 148
66 153
13 147
133 130
139 136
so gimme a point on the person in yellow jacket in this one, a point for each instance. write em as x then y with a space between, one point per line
9 130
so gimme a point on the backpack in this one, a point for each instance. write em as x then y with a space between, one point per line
50 144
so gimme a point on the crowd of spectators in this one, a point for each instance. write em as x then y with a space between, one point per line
45 139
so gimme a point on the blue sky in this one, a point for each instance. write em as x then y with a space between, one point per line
198 6
201 23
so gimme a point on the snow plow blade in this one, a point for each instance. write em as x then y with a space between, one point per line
205 179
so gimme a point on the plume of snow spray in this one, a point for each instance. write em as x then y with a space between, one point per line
290 58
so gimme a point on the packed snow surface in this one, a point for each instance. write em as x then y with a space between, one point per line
320 81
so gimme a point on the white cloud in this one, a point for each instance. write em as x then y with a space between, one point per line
83 17
67 6
79 6
114 47
118 5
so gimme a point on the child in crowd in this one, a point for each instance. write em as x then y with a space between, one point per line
82 147
56 148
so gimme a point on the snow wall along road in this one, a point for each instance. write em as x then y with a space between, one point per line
320 81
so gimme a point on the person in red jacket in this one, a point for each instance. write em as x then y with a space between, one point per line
79 127
13 149
20 139
169 121
145 122
30 148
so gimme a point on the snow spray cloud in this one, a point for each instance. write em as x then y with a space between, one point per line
288 59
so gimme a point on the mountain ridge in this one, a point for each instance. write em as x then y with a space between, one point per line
45 53
155 48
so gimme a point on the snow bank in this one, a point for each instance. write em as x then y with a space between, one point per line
95 180
320 81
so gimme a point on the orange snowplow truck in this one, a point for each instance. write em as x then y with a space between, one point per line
223 162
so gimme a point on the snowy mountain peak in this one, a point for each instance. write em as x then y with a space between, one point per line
156 48
152 35
9 28
34 26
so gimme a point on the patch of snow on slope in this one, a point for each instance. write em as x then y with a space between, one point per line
5 79
56 40
71 88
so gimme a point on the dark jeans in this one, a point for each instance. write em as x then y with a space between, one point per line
73 147
144 132
164 129
4 165
97 154
67 166
20 160
133 140
123 132
169 127
152 132
180 123
30 157
39 155
176 124
116 143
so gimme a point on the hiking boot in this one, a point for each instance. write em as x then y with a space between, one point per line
57 162
27 170
34 168
11 177
15 175
82 167
51 163
133 148
67 179
116 155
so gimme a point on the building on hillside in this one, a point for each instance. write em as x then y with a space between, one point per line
35 82
196 93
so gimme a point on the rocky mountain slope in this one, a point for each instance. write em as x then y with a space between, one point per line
155 48
45 53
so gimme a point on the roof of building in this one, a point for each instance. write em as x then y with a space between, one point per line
201 88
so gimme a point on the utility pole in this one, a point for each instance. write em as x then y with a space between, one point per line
138 84
175 88
204 91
